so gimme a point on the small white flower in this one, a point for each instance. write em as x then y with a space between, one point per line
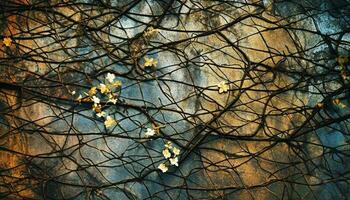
103 88
223 87
168 145
114 101
174 161
163 167
176 151
150 132
109 121
101 114
96 100
166 153
73 92
110 77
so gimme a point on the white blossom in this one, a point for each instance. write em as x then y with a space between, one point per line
176 151
101 114
168 145
223 87
114 101
163 167
96 100
150 132
174 161
166 153
110 77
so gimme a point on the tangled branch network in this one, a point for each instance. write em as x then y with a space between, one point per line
174 99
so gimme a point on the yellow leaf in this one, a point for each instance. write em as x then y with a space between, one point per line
150 62
7 41
117 84
97 108
150 32
103 88
342 60
319 105
336 101
92 91
110 122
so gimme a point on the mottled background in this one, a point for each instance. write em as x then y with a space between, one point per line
280 132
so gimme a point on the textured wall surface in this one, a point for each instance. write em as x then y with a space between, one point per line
280 131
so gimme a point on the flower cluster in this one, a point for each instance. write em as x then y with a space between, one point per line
171 154
108 91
